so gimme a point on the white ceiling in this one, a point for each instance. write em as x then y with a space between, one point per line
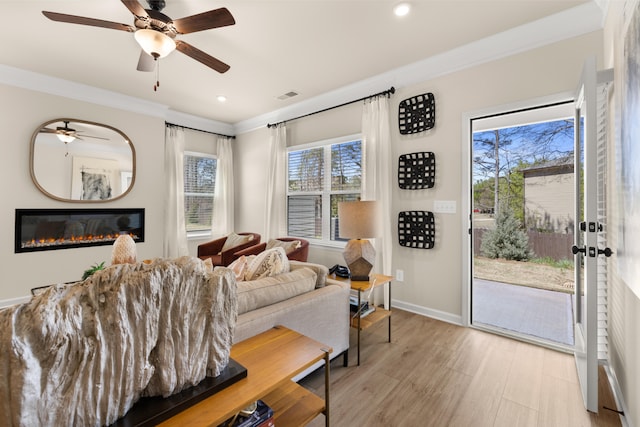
313 47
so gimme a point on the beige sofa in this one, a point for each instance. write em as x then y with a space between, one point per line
304 300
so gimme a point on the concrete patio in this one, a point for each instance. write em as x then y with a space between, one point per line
540 313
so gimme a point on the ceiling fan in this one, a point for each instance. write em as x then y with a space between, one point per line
67 134
155 32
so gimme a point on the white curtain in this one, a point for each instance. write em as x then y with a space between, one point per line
275 203
175 234
223 200
376 138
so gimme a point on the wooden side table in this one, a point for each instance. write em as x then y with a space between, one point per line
272 359
361 323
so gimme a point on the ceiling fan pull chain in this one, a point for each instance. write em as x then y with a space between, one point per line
157 85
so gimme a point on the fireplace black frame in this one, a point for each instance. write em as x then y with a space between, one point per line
74 214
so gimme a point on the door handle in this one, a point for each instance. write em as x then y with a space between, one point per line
606 252
575 250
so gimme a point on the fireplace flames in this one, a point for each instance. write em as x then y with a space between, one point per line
90 238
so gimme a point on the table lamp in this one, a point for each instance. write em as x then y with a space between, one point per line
358 221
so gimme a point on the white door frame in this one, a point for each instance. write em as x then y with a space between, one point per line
466 175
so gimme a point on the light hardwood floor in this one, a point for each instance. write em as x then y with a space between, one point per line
437 374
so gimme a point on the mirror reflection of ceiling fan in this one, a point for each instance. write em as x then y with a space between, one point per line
67 134
155 32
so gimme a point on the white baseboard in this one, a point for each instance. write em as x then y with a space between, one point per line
13 301
428 312
617 395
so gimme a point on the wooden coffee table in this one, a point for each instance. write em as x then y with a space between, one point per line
272 359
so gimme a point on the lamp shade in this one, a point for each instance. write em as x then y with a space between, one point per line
155 43
358 220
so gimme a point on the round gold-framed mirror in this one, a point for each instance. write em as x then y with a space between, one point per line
75 160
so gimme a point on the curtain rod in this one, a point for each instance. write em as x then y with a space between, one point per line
199 130
387 92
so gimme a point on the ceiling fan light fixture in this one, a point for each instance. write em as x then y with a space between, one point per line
155 43
65 137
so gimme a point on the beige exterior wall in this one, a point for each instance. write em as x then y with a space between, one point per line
549 202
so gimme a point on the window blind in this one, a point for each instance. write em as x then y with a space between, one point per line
312 200
199 189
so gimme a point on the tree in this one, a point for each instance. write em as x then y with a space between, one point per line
501 154
507 240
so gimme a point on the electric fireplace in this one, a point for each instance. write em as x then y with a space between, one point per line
52 229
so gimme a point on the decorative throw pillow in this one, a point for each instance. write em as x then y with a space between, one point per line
287 246
268 263
240 265
234 240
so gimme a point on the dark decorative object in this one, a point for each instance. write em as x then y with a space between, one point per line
150 411
417 114
416 229
416 170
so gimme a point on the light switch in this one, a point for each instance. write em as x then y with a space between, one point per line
444 206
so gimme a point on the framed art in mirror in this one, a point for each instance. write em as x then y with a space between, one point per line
80 161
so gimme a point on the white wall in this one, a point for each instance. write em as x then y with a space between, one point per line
433 278
22 112
250 164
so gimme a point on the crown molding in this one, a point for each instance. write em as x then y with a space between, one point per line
201 123
68 89
571 23
30 80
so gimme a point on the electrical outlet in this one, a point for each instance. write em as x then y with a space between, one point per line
400 275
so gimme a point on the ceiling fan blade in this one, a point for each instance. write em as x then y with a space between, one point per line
204 21
89 136
73 19
146 62
135 8
201 57
47 130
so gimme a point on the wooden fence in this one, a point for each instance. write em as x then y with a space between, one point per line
553 245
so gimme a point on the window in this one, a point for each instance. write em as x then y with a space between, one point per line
199 188
318 178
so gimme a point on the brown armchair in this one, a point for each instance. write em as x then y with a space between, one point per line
214 250
299 254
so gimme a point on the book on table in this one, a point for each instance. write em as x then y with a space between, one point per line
365 308
262 416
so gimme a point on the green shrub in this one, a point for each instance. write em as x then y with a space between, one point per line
507 240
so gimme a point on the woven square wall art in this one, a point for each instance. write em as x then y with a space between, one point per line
416 229
416 170
417 114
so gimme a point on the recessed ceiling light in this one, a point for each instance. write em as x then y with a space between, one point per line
402 9
221 98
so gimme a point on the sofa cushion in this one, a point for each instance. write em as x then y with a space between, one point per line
234 240
268 263
270 290
322 271
288 246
